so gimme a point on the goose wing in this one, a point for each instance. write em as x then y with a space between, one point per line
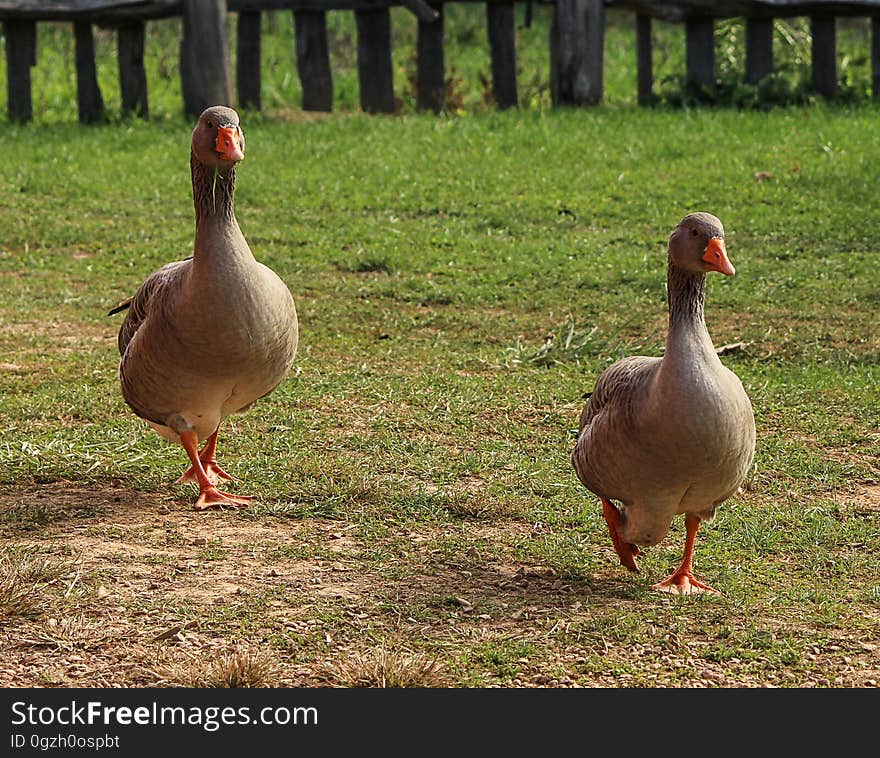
138 306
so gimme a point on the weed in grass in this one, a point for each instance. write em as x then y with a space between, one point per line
327 509
67 633
502 658
25 573
480 507
365 265
236 668
385 668
213 553
568 344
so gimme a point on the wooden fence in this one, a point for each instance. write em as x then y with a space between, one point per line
576 47
698 16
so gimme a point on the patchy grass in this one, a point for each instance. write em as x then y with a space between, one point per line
413 486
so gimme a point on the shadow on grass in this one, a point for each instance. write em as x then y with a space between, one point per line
31 508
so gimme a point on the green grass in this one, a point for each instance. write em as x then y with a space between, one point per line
461 281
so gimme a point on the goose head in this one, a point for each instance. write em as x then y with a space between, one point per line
217 139
697 245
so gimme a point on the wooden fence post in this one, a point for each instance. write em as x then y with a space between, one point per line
132 74
88 93
700 53
875 57
577 40
247 65
431 74
21 55
205 76
644 62
375 74
759 49
824 63
313 60
501 23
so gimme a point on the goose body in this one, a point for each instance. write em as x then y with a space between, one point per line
672 435
205 337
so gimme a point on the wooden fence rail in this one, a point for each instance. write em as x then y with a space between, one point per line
576 47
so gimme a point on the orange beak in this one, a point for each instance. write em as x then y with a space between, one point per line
716 258
228 144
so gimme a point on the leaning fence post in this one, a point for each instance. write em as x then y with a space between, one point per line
88 93
824 50
759 49
875 57
430 66
313 60
204 56
644 62
375 74
247 69
700 53
577 39
501 23
21 55
132 74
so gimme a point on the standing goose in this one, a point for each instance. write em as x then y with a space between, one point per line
207 336
669 435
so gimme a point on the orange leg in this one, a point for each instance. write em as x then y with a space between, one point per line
209 495
626 551
208 457
681 581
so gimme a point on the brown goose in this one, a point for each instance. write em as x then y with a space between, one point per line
669 435
207 336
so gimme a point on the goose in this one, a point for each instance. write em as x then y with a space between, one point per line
671 435
207 336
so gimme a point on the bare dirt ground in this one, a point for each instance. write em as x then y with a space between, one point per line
146 592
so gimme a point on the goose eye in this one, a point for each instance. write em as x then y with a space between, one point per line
209 124
694 232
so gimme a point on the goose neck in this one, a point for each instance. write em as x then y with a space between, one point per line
213 193
687 334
